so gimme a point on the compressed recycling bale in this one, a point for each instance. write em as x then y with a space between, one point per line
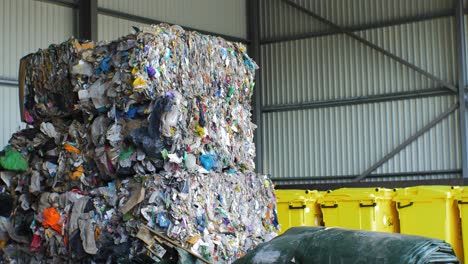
46 83
157 134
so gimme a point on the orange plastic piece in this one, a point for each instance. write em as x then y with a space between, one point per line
97 233
83 46
77 173
51 219
68 147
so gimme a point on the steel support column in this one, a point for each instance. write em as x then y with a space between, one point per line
253 31
87 19
408 141
372 45
461 67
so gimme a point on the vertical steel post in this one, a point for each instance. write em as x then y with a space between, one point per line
87 19
461 67
253 32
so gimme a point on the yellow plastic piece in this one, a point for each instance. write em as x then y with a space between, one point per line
139 82
297 208
431 211
370 209
200 130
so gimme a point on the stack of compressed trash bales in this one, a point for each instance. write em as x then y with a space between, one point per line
133 146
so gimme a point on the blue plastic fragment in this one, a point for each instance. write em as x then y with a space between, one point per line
162 220
132 112
207 161
151 71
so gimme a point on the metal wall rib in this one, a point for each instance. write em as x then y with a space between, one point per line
347 140
334 67
220 16
25 26
281 20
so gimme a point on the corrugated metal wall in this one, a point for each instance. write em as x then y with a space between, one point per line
279 19
337 66
220 16
111 28
25 26
347 140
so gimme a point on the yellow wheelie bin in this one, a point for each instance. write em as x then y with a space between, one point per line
370 209
431 211
297 208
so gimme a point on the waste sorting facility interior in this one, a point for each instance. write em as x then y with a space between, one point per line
349 92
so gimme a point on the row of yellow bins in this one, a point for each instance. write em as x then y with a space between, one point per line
431 211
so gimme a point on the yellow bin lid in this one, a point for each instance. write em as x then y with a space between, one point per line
462 195
426 193
356 194
291 195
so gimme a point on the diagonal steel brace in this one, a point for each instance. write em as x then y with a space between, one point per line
372 45
408 141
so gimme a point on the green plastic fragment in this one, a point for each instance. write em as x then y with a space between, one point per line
127 217
164 153
252 86
13 160
125 154
231 91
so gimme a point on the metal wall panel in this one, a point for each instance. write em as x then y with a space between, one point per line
111 28
220 16
347 140
280 19
337 66
9 113
26 26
